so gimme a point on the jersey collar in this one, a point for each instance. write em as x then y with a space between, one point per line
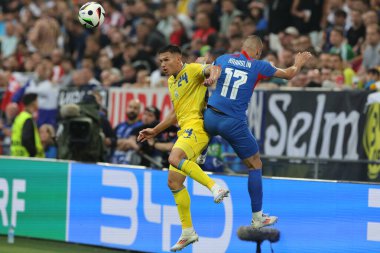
246 55
183 66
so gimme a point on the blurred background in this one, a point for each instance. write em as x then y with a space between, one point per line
97 88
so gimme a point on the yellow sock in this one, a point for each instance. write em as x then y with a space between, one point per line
195 172
182 200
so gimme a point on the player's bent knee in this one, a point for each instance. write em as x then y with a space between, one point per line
174 185
253 162
174 160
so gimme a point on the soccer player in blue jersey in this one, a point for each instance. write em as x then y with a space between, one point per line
227 106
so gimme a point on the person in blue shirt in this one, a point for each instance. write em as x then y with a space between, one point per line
226 110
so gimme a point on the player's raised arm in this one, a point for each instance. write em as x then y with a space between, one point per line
299 62
212 73
149 133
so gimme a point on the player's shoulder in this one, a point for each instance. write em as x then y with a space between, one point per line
194 68
193 65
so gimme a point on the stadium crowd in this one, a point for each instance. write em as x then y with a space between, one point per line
45 49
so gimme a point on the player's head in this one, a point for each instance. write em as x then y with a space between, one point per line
170 58
253 46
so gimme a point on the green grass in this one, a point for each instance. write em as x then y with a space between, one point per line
27 245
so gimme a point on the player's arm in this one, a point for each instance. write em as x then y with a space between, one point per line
211 73
149 133
299 62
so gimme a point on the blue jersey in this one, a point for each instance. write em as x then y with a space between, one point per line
238 78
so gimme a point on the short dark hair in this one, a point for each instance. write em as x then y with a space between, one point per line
170 49
373 71
340 13
29 98
154 110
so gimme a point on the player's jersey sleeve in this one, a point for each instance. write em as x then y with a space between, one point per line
196 70
266 69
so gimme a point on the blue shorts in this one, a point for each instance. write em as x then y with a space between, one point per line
234 131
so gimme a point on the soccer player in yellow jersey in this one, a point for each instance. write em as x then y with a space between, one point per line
187 87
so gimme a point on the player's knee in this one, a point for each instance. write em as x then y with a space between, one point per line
174 185
254 162
174 160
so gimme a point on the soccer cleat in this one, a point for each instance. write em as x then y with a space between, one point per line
220 194
184 240
266 220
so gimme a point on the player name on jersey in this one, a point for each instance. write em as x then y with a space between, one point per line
241 63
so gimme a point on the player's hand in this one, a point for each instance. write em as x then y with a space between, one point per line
146 134
214 75
302 58
201 60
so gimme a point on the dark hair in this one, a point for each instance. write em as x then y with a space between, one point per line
340 13
373 71
154 110
170 49
29 98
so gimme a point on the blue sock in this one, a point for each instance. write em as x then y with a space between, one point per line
255 189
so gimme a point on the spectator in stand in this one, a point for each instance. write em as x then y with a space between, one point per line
309 16
9 40
204 29
138 57
356 33
370 18
168 15
44 35
178 36
148 37
26 140
6 124
150 118
300 80
58 71
208 7
372 79
126 143
286 58
324 60
249 27
256 12
142 80
235 44
371 54
229 12
285 39
326 78
279 19
235 28
47 135
339 44
347 73
46 90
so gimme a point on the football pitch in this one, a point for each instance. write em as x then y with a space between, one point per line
28 245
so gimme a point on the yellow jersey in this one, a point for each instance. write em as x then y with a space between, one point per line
188 95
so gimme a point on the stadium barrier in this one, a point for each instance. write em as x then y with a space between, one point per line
131 208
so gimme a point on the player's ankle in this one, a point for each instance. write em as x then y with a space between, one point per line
188 231
215 188
257 215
